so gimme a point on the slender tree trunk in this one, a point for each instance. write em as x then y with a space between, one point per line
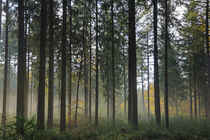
156 73
166 68
41 90
176 106
124 81
208 57
21 68
31 105
27 71
90 78
142 83
96 103
85 66
113 62
133 111
195 91
77 95
148 85
199 101
63 74
51 67
4 113
190 86
70 67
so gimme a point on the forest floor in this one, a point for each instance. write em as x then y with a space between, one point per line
180 129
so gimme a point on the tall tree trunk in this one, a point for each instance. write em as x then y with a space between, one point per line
199 101
176 106
124 81
190 86
31 105
63 74
133 111
195 92
51 67
21 68
77 95
156 73
142 86
28 55
41 90
85 65
113 62
96 103
4 113
70 67
208 57
148 85
90 78
166 68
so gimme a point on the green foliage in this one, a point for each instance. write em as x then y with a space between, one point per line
180 129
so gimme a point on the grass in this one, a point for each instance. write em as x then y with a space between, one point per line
180 129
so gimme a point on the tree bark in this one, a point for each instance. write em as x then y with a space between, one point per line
4 113
85 66
166 68
63 74
0 17
190 87
51 67
70 67
90 78
133 111
96 103
41 90
21 68
208 58
113 62
195 91
156 73
148 85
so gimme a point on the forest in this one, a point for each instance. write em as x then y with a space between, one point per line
104 70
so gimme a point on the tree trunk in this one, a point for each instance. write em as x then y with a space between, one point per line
113 62
148 85
63 74
85 66
4 113
51 67
96 103
195 92
70 68
41 90
142 83
190 86
166 67
208 57
156 73
21 68
77 95
90 78
124 81
133 111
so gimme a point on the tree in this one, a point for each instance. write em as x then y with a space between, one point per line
156 73
41 90
70 66
166 67
21 68
96 103
207 53
133 114
51 66
0 17
113 57
90 69
4 113
63 72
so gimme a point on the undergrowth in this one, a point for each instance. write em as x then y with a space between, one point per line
180 129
